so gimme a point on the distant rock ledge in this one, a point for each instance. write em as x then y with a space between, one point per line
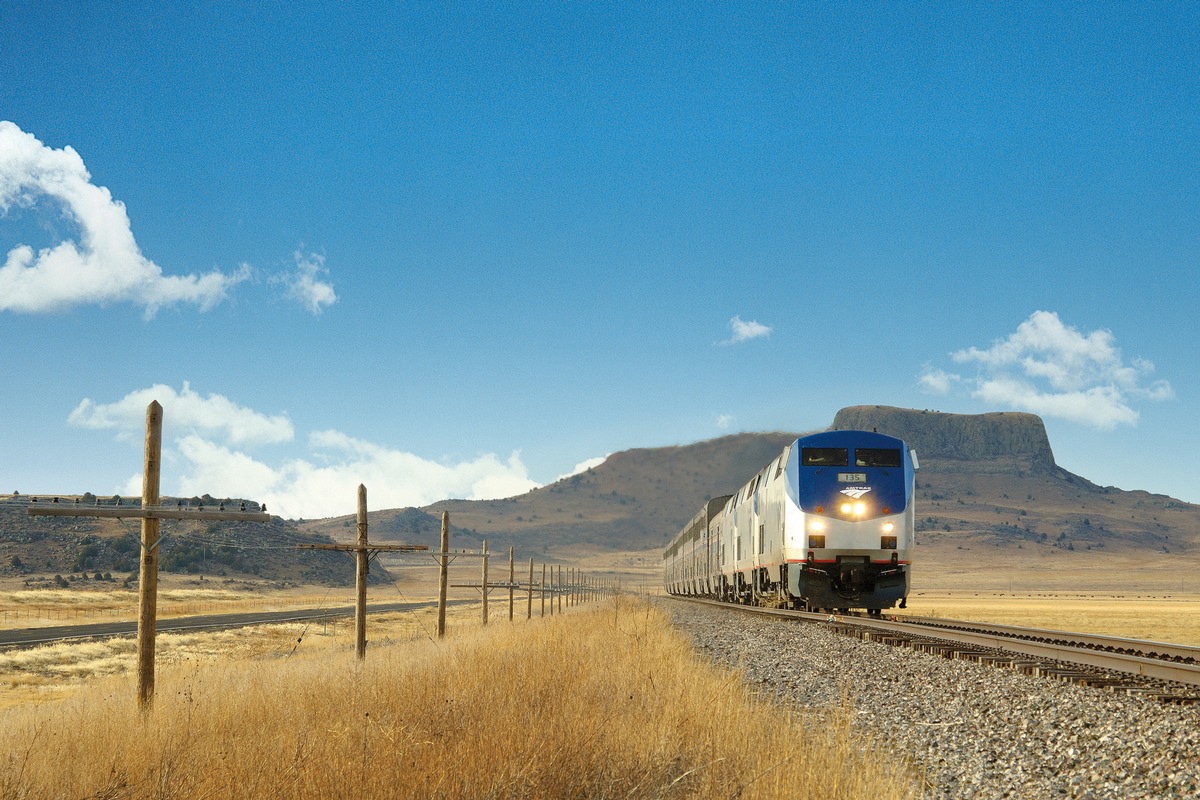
1002 442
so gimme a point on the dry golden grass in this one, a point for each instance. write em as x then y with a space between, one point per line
63 669
607 702
1161 618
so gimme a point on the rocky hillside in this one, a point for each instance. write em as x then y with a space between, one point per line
1008 442
80 548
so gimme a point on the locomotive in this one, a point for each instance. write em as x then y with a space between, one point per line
827 525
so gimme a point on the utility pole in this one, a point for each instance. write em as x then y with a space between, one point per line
529 598
148 570
363 551
512 577
444 575
360 578
150 512
485 582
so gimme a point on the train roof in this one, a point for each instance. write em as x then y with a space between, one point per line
850 438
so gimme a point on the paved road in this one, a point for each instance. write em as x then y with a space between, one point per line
27 637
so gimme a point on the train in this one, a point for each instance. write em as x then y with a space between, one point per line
827 525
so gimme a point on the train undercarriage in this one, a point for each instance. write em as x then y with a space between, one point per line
832 587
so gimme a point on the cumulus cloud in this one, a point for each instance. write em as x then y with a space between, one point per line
187 411
745 331
937 381
211 439
584 466
304 284
1053 369
105 265
724 421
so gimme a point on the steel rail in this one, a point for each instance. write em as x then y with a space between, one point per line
1137 664
1166 651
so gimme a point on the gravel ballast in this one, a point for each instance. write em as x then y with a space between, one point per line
973 731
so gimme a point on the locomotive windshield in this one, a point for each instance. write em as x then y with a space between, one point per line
876 457
824 456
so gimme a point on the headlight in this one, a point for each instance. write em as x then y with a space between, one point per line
888 527
860 508
816 526
847 508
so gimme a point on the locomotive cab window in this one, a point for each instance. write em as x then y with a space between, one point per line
824 456
876 457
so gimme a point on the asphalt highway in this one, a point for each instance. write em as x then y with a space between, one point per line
28 637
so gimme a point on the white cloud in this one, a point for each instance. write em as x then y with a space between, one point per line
1054 370
105 265
724 421
326 483
208 437
187 411
584 466
937 381
745 331
304 285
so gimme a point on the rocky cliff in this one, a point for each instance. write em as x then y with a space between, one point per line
1004 442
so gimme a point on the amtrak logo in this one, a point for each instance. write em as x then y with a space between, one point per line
856 491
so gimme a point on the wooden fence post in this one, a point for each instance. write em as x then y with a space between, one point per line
544 592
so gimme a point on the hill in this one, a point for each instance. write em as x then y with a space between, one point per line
986 480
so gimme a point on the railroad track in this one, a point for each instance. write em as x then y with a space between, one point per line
1166 672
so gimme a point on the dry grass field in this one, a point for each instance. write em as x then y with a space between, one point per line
605 701
1160 618
1143 596
71 668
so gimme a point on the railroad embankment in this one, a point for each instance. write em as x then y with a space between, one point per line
975 731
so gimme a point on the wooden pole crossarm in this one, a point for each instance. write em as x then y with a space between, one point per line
154 512
371 548
493 586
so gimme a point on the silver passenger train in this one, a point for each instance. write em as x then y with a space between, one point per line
828 524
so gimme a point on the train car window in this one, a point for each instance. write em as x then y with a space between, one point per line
824 456
876 457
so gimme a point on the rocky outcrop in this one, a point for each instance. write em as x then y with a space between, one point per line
1004 442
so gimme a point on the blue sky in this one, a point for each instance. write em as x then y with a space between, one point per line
458 251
